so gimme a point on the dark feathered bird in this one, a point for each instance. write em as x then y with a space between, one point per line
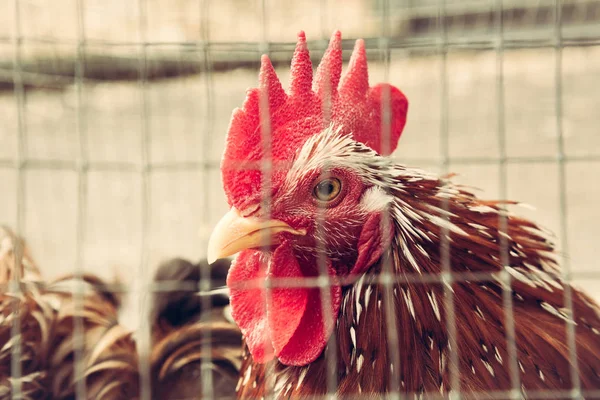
185 334
383 235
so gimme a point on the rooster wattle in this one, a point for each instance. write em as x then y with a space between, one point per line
332 202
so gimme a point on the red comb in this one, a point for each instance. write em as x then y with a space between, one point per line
308 108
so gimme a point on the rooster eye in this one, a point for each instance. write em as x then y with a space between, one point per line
327 189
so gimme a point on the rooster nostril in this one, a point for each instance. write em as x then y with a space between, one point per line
250 210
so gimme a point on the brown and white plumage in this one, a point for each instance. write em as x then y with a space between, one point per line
33 322
427 213
46 315
9 243
358 276
181 330
108 357
25 308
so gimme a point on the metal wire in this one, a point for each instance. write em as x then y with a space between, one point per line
143 334
507 295
309 283
266 168
448 278
78 295
387 267
104 166
512 40
322 262
562 187
443 43
15 287
204 284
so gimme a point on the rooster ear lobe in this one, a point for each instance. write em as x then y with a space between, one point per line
375 238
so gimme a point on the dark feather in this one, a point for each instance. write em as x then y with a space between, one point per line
192 330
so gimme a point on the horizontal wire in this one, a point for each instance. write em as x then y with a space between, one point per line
43 71
119 166
580 35
304 282
491 395
519 40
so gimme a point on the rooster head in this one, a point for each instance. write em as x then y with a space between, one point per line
300 171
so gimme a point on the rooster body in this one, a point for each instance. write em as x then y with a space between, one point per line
365 360
380 244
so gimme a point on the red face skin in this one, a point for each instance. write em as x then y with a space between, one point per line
289 322
333 226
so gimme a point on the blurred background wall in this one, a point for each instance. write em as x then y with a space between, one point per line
110 140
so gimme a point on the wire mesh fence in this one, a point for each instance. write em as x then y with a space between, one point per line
111 148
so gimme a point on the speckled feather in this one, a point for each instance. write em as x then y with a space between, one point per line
391 337
424 208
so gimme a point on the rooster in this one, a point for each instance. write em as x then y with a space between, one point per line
9 243
109 362
25 310
46 315
342 284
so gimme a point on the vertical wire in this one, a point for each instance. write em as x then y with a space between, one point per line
388 270
446 270
82 165
506 278
266 166
15 287
324 282
562 194
141 279
206 375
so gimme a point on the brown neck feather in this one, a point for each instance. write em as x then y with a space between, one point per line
393 336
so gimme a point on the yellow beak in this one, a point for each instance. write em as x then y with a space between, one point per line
235 233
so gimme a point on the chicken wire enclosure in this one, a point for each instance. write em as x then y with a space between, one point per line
114 123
